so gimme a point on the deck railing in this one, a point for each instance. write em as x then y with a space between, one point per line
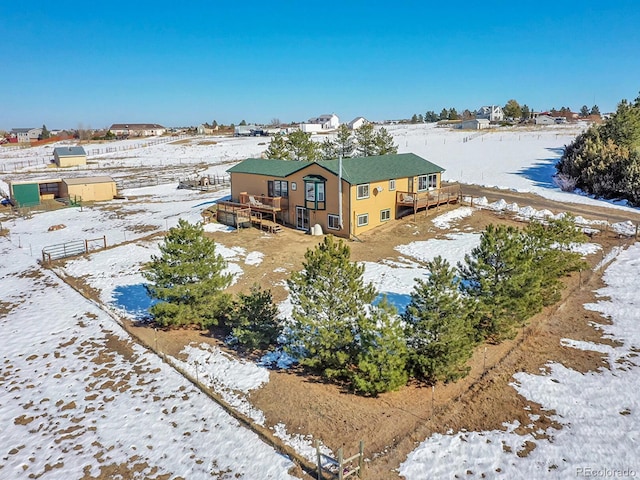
260 201
427 198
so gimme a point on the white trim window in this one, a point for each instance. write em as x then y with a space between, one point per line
363 191
333 222
427 182
363 219
392 184
385 215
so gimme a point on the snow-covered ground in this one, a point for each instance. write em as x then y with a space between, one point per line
71 402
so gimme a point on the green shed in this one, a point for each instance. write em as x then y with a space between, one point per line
25 194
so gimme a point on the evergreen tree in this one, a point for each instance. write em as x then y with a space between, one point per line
45 133
188 279
526 112
501 277
584 111
551 246
444 114
414 119
439 331
242 123
330 301
278 148
382 356
431 117
452 114
301 147
328 149
512 109
383 142
365 141
214 124
344 141
420 119
595 110
254 321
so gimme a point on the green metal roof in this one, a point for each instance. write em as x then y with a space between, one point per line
270 167
359 170
355 170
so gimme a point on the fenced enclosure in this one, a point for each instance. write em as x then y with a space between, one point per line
72 249
340 468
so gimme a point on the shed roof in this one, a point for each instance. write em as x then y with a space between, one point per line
69 151
86 180
355 170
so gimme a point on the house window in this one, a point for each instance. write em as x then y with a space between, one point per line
363 191
334 222
278 188
427 182
392 184
363 219
385 215
314 192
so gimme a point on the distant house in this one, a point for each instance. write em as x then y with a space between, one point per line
69 156
137 129
474 124
25 135
356 123
246 130
493 113
322 123
375 190
544 120
206 129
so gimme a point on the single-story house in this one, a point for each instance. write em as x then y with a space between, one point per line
206 129
474 124
69 156
346 198
493 113
27 193
137 129
544 120
25 135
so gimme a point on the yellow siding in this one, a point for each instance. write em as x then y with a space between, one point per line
71 161
89 192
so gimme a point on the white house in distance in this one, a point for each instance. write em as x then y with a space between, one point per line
356 123
493 113
137 129
323 123
544 120
474 124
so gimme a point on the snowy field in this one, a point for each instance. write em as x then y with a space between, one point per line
71 403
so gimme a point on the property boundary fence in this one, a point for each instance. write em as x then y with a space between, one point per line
340 468
72 249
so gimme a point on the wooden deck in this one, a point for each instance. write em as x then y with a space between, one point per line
261 203
431 198
233 214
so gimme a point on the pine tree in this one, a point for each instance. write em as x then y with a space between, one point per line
242 123
328 150
584 111
330 301
444 114
384 143
595 110
301 147
502 279
439 331
344 141
512 109
381 361
452 114
254 321
526 112
414 118
188 279
420 118
365 141
431 116
45 133
278 148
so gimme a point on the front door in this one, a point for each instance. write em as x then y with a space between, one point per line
302 218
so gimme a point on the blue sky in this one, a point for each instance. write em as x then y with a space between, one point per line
68 64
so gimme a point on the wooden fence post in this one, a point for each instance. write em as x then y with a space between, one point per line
361 460
317 445
340 469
